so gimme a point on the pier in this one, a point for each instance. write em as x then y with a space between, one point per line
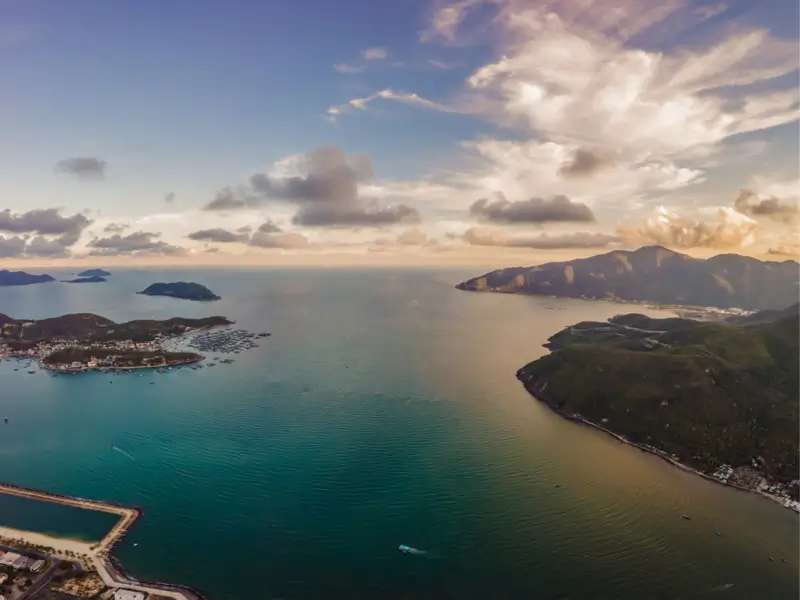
108 568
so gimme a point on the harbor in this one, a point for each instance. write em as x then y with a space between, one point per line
92 556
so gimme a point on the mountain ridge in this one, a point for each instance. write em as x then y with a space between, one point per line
653 274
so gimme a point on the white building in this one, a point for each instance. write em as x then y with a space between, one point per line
121 594
9 558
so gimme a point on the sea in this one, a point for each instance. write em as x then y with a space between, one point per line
383 410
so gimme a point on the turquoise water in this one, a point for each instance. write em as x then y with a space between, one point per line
383 410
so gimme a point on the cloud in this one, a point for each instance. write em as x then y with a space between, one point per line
169 198
790 248
533 210
55 234
358 66
414 237
335 111
751 204
481 236
726 229
269 227
325 189
116 227
44 221
12 247
226 199
374 53
140 243
583 163
262 239
211 250
222 236
85 168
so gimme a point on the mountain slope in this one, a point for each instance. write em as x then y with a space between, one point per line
22 278
711 393
654 274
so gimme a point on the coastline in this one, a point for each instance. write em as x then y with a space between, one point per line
99 554
530 388
54 369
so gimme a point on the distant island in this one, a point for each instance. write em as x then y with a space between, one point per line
718 397
91 279
85 341
94 273
654 274
181 289
22 278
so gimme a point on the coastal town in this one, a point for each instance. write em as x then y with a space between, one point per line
85 342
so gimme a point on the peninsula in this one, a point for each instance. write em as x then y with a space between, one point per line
181 289
85 341
719 397
89 279
657 275
94 273
21 278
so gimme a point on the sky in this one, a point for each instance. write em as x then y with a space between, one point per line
460 132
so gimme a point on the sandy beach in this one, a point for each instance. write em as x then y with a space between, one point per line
61 545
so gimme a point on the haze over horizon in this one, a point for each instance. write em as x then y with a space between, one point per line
469 132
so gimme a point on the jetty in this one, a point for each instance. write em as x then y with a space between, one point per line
100 554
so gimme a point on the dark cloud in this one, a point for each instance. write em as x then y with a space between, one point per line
54 233
327 195
789 248
84 168
12 247
137 243
116 227
211 250
169 198
360 216
533 210
583 163
44 221
270 227
226 199
749 203
244 229
263 239
480 236
219 235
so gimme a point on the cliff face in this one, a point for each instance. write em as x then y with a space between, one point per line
654 274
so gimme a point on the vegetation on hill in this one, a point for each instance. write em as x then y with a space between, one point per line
181 289
711 393
654 274
94 273
90 279
88 327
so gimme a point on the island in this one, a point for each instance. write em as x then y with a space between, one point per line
21 278
94 273
85 341
719 398
654 274
90 279
181 289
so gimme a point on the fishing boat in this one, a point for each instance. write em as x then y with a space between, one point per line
687 517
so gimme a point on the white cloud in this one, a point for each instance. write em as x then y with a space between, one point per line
374 53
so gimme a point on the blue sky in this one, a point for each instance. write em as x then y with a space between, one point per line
672 109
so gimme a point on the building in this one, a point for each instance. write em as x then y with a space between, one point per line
36 565
121 594
9 558
3 577
21 562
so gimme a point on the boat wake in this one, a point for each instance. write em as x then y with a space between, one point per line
121 451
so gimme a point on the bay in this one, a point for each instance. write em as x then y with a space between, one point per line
383 410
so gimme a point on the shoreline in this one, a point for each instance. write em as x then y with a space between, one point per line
99 553
43 366
653 452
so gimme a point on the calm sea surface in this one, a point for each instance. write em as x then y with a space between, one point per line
383 410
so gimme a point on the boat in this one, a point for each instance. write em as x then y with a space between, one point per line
687 517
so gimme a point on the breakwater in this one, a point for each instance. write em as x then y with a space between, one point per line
109 569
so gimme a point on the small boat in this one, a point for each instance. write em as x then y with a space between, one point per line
719 534
687 517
